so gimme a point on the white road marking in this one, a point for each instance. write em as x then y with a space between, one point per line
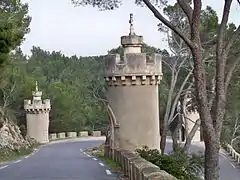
94 159
3 167
81 150
224 156
233 165
26 157
89 155
108 172
84 153
17 161
101 164
227 159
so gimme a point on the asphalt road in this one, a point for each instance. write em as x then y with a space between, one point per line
67 161
58 161
228 169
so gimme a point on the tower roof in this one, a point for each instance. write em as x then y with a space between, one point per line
132 40
36 94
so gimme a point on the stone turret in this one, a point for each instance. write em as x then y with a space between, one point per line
133 94
37 116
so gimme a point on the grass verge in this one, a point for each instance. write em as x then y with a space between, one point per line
7 155
99 153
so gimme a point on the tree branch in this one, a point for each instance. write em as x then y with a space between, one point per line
181 64
167 64
191 135
160 17
196 23
97 96
230 72
221 58
179 93
211 97
7 96
186 9
236 127
231 41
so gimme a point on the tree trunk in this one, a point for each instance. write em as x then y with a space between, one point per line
175 145
163 139
166 115
211 160
175 136
107 146
191 135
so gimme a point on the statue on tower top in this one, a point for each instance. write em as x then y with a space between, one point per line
36 94
36 83
131 25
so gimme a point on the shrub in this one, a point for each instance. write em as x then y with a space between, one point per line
23 130
178 164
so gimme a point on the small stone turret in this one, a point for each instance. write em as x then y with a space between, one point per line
37 116
133 93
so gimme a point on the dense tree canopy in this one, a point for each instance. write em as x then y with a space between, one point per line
14 22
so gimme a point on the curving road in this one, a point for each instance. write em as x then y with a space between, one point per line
65 160
228 169
58 161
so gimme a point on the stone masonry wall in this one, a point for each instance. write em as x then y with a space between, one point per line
137 168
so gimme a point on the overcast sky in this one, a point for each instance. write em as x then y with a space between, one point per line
85 31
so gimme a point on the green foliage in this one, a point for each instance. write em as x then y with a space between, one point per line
14 22
69 83
75 86
111 4
209 24
178 164
7 154
99 153
23 130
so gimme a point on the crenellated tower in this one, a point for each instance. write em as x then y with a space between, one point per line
37 116
133 93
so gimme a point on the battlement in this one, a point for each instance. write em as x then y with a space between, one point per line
133 64
37 105
134 69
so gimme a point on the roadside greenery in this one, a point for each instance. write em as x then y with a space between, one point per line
7 155
179 164
99 152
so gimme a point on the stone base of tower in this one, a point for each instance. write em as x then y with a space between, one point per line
37 126
136 109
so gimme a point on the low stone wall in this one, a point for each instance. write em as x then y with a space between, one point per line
63 135
53 136
137 168
96 133
71 134
83 134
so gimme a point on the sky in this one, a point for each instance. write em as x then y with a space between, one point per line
85 31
